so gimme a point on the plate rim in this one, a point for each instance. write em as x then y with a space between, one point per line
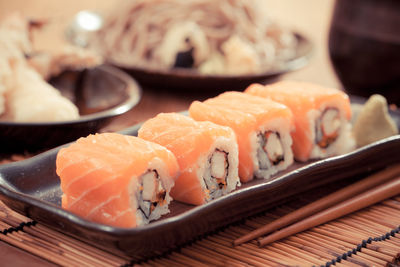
9 192
134 91
291 64
124 239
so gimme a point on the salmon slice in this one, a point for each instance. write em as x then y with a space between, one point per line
321 117
116 179
207 155
252 119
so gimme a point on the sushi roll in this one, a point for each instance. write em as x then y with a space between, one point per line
115 179
321 117
262 128
207 155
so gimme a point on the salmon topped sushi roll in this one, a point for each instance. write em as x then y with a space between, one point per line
207 155
116 179
321 117
262 128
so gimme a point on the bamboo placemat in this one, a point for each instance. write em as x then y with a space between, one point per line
369 237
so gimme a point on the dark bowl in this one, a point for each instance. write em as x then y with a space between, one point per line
364 47
191 80
101 94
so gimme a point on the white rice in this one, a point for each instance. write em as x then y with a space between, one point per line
229 146
282 127
344 143
167 183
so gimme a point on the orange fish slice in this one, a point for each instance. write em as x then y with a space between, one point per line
321 117
207 155
262 128
116 179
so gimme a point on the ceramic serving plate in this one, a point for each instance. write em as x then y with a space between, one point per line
101 94
189 79
31 187
80 30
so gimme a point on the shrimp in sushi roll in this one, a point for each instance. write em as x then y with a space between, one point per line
116 179
207 155
321 117
262 128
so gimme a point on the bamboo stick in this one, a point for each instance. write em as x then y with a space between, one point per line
38 251
348 246
179 257
358 234
200 256
327 252
392 203
368 216
370 197
241 256
251 249
384 210
227 259
303 247
323 203
293 251
342 234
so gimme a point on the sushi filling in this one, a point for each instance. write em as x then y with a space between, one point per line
270 150
217 172
151 193
327 127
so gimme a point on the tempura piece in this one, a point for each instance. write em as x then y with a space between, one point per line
31 99
69 58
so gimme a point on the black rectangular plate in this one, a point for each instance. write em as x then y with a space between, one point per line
31 187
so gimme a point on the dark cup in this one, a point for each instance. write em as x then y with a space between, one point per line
364 46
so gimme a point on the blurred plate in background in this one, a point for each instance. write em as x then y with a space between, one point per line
101 94
191 80
87 22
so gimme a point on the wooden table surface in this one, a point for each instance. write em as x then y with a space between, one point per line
310 17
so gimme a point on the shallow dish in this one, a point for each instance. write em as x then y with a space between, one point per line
79 32
189 79
31 187
100 94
